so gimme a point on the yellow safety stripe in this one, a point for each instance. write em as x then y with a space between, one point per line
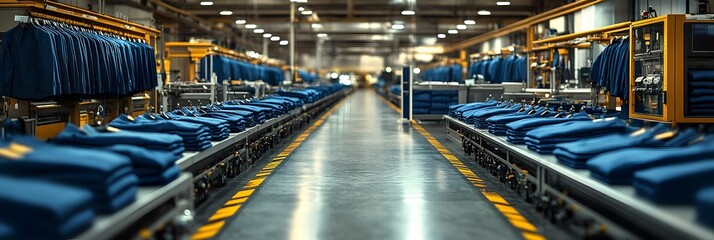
528 230
231 207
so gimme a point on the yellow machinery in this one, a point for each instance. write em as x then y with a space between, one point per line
664 52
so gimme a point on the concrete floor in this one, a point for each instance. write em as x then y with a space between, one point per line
362 175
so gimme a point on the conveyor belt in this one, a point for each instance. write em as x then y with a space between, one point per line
607 204
361 175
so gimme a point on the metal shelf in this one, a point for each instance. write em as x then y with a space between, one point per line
178 194
663 221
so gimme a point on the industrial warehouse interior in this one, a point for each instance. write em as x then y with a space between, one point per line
356 119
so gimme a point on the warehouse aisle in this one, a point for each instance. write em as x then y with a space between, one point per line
361 175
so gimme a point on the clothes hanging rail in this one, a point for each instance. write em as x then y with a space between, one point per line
78 15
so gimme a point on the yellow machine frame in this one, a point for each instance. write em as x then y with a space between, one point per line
673 70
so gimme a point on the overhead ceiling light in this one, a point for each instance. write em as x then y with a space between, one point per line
226 13
398 26
240 21
206 3
461 26
417 70
267 35
469 22
388 69
275 38
453 31
300 9
484 12
503 3
322 35
251 26
334 75
441 35
283 42
316 25
259 30
298 1
307 12
408 12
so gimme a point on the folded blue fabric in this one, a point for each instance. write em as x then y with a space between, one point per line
674 184
705 206
618 167
190 132
577 129
66 211
168 175
571 153
89 136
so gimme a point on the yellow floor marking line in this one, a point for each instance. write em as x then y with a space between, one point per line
528 230
231 207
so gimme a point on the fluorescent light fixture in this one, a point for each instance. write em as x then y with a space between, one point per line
417 70
441 35
274 38
408 12
307 12
398 26
453 31
298 1
283 42
316 25
300 9
484 12
461 26
322 35
206 3
251 26
388 69
334 75
469 22
503 3
267 35
240 21
226 13
259 30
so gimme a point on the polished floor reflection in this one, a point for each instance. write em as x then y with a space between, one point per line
363 175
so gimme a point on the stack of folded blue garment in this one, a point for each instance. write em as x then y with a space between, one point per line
250 118
674 184
107 175
153 167
276 109
516 131
196 137
497 124
458 109
480 117
421 102
236 122
469 116
441 100
701 93
705 206
35 209
618 167
89 136
304 95
294 102
261 114
544 139
219 129
576 154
